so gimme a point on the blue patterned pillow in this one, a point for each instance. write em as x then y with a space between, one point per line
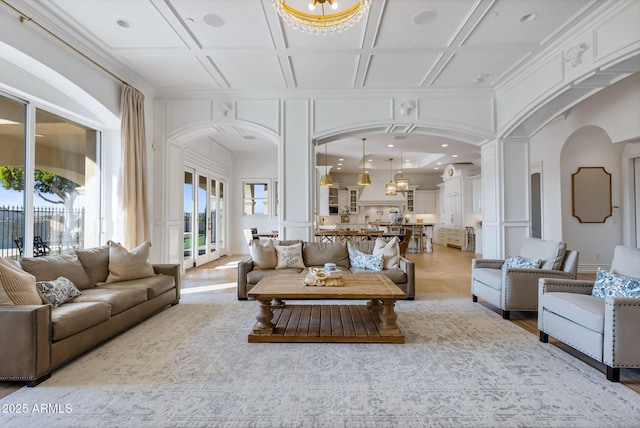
367 261
58 291
520 262
612 285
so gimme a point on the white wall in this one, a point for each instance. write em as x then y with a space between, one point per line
591 146
611 111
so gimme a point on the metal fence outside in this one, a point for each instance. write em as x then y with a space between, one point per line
48 225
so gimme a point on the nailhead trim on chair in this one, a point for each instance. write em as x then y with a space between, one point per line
614 329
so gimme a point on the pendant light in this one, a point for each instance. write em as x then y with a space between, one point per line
363 179
390 187
402 184
326 179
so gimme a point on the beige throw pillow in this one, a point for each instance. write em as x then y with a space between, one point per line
17 287
125 265
390 252
290 256
264 256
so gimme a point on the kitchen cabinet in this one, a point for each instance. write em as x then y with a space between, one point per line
328 200
353 194
424 201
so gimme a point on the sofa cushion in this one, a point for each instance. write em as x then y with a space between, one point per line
125 265
17 287
626 261
369 262
72 318
319 253
390 252
583 309
51 267
264 256
95 262
289 256
550 252
153 285
254 276
611 285
488 276
58 291
520 262
120 299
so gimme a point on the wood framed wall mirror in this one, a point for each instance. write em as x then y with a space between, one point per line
591 194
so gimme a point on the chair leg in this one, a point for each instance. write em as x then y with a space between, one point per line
613 374
474 298
506 315
544 337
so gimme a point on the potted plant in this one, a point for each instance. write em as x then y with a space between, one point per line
345 214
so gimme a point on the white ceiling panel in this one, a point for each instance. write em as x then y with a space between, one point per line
222 24
464 68
324 71
249 69
503 24
394 70
421 23
172 71
147 27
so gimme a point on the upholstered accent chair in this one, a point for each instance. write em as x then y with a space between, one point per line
604 328
516 288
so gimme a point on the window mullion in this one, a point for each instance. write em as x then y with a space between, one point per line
29 173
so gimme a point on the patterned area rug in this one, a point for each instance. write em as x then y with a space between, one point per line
191 366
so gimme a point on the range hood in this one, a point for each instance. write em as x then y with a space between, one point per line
373 195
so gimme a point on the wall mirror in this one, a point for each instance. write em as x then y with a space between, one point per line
591 188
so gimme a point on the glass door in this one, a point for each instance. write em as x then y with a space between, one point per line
204 232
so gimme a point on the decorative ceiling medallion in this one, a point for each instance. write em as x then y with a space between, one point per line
574 54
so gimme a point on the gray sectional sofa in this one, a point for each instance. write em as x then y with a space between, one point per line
35 339
316 254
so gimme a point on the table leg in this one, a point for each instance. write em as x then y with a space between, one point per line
374 305
388 318
277 302
265 315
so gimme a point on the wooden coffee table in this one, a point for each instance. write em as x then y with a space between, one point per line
374 322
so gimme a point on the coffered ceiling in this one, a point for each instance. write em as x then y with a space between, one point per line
241 45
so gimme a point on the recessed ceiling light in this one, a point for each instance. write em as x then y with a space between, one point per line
436 168
123 23
369 160
389 145
529 17
454 156
445 145
407 160
338 168
425 17
339 164
213 20
439 163
341 159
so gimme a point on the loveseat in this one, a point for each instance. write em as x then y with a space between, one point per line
315 254
117 290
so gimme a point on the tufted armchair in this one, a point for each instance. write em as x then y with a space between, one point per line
516 288
604 328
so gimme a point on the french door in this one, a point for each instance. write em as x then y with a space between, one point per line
204 218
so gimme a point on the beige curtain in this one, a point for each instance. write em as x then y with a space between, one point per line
135 210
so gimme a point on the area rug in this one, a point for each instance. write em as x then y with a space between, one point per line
191 366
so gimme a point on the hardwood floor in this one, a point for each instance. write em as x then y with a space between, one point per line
444 272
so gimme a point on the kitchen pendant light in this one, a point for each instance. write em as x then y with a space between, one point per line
326 179
390 187
363 179
402 184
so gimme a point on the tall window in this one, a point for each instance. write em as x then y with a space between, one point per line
256 198
56 195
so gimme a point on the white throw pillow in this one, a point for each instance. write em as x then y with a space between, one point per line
264 256
390 252
125 265
290 256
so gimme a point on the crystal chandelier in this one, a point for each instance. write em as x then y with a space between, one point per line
326 179
363 178
402 184
318 20
390 187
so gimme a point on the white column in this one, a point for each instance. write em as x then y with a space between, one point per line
296 171
506 214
